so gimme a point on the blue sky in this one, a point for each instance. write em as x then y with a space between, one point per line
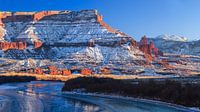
134 17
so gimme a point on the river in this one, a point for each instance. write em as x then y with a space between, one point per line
43 96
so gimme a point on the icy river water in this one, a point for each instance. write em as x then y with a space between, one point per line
42 96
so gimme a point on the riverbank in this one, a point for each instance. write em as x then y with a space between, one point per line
167 91
84 97
46 96
11 79
48 77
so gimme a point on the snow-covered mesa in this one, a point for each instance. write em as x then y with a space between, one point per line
70 38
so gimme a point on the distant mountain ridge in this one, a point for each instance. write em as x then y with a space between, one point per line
177 45
172 38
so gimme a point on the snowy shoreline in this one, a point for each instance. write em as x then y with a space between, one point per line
142 100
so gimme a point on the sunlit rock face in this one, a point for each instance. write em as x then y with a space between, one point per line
75 37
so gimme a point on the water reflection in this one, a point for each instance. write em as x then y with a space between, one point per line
47 97
43 97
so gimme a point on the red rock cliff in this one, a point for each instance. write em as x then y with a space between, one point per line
12 45
40 15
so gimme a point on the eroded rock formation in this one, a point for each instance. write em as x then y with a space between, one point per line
12 45
65 72
149 49
39 15
53 70
37 44
69 38
86 71
38 71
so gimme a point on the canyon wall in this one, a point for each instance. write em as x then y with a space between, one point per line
75 37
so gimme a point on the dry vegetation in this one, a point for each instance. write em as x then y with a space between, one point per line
8 79
67 77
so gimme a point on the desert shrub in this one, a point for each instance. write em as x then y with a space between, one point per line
9 79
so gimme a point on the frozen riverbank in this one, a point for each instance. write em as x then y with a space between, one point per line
46 96
154 106
170 91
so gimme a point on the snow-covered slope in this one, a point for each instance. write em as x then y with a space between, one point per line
176 45
73 37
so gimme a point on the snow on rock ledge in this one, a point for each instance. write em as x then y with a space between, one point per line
75 37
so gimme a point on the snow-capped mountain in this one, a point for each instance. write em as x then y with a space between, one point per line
176 45
172 38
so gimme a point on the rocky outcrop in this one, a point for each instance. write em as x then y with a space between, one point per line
1 23
144 45
65 72
53 70
6 17
39 15
86 71
149 49
2 16
37 44
78 38
38 71
12 45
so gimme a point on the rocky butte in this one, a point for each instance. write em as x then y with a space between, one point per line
70 38
78 41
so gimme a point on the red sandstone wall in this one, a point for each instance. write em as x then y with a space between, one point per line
3 15
105 71
12 45
103 24
21 45
24 16
53 70
65 72
1 23
18 16
40 15
38 71
133 42
100 20
86 71
37 44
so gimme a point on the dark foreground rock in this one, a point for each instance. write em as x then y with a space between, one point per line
168 91
10 79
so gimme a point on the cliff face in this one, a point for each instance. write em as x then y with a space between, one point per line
76 40
75 37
